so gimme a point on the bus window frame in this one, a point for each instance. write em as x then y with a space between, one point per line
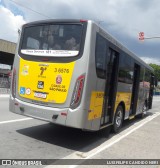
54 58
101 72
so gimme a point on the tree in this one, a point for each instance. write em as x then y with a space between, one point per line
156 70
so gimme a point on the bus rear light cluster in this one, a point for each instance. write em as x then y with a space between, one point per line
77 94
14 83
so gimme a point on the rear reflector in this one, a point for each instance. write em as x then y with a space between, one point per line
16 104
64 114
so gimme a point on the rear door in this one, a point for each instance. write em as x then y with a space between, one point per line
111 87
135 89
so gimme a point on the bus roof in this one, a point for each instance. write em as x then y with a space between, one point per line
56 21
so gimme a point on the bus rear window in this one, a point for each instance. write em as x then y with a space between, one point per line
52 40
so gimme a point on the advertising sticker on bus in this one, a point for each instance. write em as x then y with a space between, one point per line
58 79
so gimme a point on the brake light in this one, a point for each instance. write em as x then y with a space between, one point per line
14 83
82 20
45 59
77 94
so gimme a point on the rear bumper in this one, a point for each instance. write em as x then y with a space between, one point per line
54 115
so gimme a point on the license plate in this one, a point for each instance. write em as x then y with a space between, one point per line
40 95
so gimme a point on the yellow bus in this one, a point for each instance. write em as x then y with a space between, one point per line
73 73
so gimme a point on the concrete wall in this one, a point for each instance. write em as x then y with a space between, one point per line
7 46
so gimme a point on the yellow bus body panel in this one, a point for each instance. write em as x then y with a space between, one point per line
123 97
46 82
96 103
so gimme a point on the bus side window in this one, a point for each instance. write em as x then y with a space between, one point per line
125 69
100 56
147 79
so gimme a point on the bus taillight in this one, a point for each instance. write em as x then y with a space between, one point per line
82 20
14 83
77 94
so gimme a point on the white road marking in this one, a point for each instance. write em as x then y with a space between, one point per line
97 150
123 136
11 121
4 95
106 144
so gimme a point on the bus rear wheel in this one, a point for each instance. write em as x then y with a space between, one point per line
118 119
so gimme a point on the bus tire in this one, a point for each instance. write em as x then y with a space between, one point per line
118 119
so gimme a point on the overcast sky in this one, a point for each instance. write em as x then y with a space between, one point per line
123 19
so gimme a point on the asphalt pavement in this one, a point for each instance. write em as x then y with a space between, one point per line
142 143
26 138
